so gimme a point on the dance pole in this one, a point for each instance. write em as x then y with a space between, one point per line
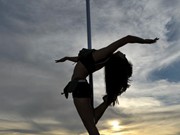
88 18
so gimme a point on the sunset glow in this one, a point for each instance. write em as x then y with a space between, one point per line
115 125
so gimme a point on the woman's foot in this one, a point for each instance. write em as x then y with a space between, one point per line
106 100
109 101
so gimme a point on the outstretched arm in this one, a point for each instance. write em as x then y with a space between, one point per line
73 59
134 39
110 49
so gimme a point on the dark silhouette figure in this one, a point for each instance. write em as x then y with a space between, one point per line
118 70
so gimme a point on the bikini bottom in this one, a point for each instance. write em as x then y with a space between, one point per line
79 89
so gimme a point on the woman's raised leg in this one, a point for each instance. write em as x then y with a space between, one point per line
86 112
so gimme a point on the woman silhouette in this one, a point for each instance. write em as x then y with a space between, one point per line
117 73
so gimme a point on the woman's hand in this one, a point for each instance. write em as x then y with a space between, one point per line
151 41
61 60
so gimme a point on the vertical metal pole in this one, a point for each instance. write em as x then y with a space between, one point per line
89 38
88 23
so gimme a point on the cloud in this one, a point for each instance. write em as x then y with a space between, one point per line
169 73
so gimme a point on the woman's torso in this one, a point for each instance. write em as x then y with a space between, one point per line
80 72
87 65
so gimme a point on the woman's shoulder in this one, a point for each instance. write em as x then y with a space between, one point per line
85 52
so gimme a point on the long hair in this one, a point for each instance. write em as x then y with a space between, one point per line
118 70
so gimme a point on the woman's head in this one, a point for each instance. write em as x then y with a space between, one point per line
118 70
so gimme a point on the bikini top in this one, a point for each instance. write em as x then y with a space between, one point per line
86 58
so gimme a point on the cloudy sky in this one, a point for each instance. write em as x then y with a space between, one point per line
33 33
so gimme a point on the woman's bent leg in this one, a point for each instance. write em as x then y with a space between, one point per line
99 111
86 112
